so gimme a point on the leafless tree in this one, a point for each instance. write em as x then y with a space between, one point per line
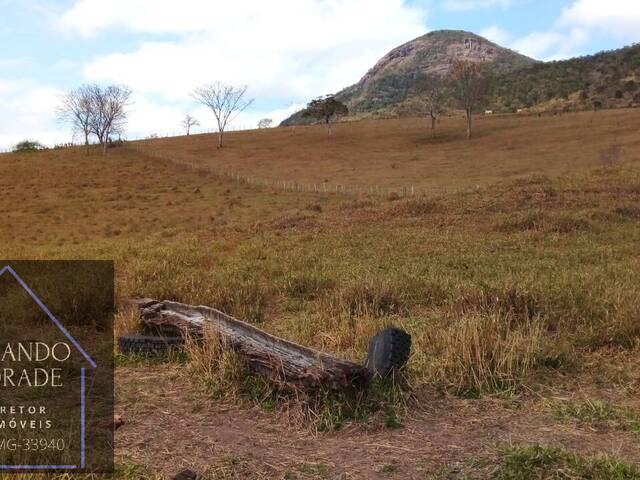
470 85
108 111
75 109
265 123
189 121
225 101
432 90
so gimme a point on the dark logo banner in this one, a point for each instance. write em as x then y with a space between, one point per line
56 366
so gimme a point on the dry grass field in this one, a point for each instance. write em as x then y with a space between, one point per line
517 277
401 152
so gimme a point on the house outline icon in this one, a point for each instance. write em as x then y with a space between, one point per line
87 357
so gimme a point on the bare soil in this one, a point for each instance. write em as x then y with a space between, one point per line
171 425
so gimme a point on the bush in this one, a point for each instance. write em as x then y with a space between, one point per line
28 146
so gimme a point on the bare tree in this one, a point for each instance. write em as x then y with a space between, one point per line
108 111
265 123
225 101
75 109
470 84
188 122
432 90
325 108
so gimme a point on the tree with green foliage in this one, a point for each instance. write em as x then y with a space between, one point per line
325 108
28 146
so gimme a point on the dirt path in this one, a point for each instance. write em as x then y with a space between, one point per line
170 426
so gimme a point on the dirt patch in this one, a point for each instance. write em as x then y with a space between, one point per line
170 425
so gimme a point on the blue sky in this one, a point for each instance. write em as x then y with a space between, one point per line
287 51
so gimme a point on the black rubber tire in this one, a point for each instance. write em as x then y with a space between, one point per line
148 344
389 351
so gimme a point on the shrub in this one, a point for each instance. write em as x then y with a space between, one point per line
569 223
28 146
628 211
418 206
522 222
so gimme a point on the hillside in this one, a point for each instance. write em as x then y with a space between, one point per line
605 80
401 152
520 293
393 79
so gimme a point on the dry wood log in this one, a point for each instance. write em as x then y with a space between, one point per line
266 354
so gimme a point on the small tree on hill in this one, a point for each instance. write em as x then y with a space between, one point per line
325 108
225 101
470 84
108 111
76 108
189 122
265 123
432 90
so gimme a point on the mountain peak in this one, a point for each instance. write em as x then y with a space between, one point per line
432 54
394 77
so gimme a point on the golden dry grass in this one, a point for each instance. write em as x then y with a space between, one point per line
402 152
329 270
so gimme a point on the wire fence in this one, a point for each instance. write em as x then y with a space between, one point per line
279 184
141 146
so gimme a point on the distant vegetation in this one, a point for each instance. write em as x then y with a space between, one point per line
324 109
28 146
605 80
395 86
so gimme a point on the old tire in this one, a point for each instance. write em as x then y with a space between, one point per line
389 351
148 344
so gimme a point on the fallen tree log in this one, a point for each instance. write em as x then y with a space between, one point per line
266 354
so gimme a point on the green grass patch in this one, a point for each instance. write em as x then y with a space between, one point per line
539 462
599 413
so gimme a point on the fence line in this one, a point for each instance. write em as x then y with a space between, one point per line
139 145
282 184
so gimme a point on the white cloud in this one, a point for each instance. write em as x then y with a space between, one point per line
552 45
496 35
286 53
299 49
251 119
620 18
28 112
577 25
463 5
147 116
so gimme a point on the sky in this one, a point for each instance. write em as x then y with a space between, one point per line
287 51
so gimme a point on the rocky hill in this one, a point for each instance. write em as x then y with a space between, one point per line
393 79
605 80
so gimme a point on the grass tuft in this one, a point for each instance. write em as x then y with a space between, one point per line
600 414
486 353
553 463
